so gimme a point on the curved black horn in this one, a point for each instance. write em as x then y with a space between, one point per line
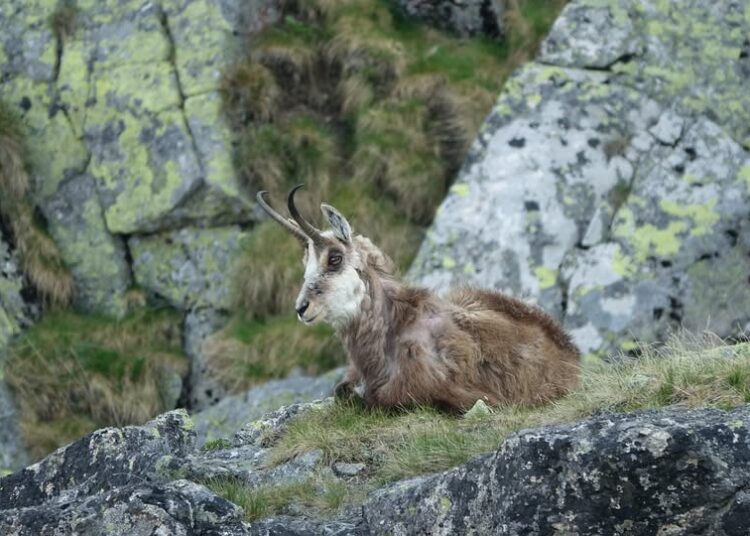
296 231
308 229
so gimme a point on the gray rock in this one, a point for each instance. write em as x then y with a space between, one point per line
188 267
233 412
15 314
265 431
205 390
176 508
96 258
348 469
100 461
610 184
667 472
13 455
464 17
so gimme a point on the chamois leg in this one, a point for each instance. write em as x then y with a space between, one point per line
346 388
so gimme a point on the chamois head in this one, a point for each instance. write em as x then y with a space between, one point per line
332 290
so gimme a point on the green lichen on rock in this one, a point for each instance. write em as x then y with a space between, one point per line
187 267
606 162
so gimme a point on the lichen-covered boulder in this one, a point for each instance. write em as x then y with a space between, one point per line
189 267
605 185
100 461
124 96
96 258
657 472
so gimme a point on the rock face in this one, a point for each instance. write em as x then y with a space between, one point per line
130 91
463 17
610 183
229 414
643 473
15 313
666 471
130 156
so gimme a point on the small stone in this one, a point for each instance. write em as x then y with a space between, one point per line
348 469
479 410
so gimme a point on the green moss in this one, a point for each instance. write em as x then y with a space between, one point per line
217 444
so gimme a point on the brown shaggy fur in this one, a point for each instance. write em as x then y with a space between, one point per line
409 346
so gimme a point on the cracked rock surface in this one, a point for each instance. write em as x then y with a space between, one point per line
125 118
611 181
15 314
128 150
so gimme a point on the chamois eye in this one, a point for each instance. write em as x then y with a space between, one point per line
334 260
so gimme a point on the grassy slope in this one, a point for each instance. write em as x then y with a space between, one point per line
73 374
398 445
374 113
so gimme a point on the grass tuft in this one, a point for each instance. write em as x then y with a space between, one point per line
397 445
73 374
318 495
41 259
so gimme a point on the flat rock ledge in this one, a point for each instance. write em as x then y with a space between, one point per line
667 472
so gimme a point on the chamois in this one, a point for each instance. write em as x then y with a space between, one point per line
407 345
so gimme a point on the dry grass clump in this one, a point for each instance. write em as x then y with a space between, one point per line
248 352
276 157
40 257
72 374
250 91
692 373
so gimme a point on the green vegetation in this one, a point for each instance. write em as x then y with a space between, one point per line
40 257
250 351
73 373
399 445
217 444
318 495
374 112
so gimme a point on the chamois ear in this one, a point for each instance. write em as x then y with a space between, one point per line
341 228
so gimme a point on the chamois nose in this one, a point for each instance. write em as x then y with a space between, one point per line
302 308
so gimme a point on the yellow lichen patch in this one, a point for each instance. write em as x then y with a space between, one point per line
461 190
449 263
703 217
648 240
744 175
547 277
622 264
